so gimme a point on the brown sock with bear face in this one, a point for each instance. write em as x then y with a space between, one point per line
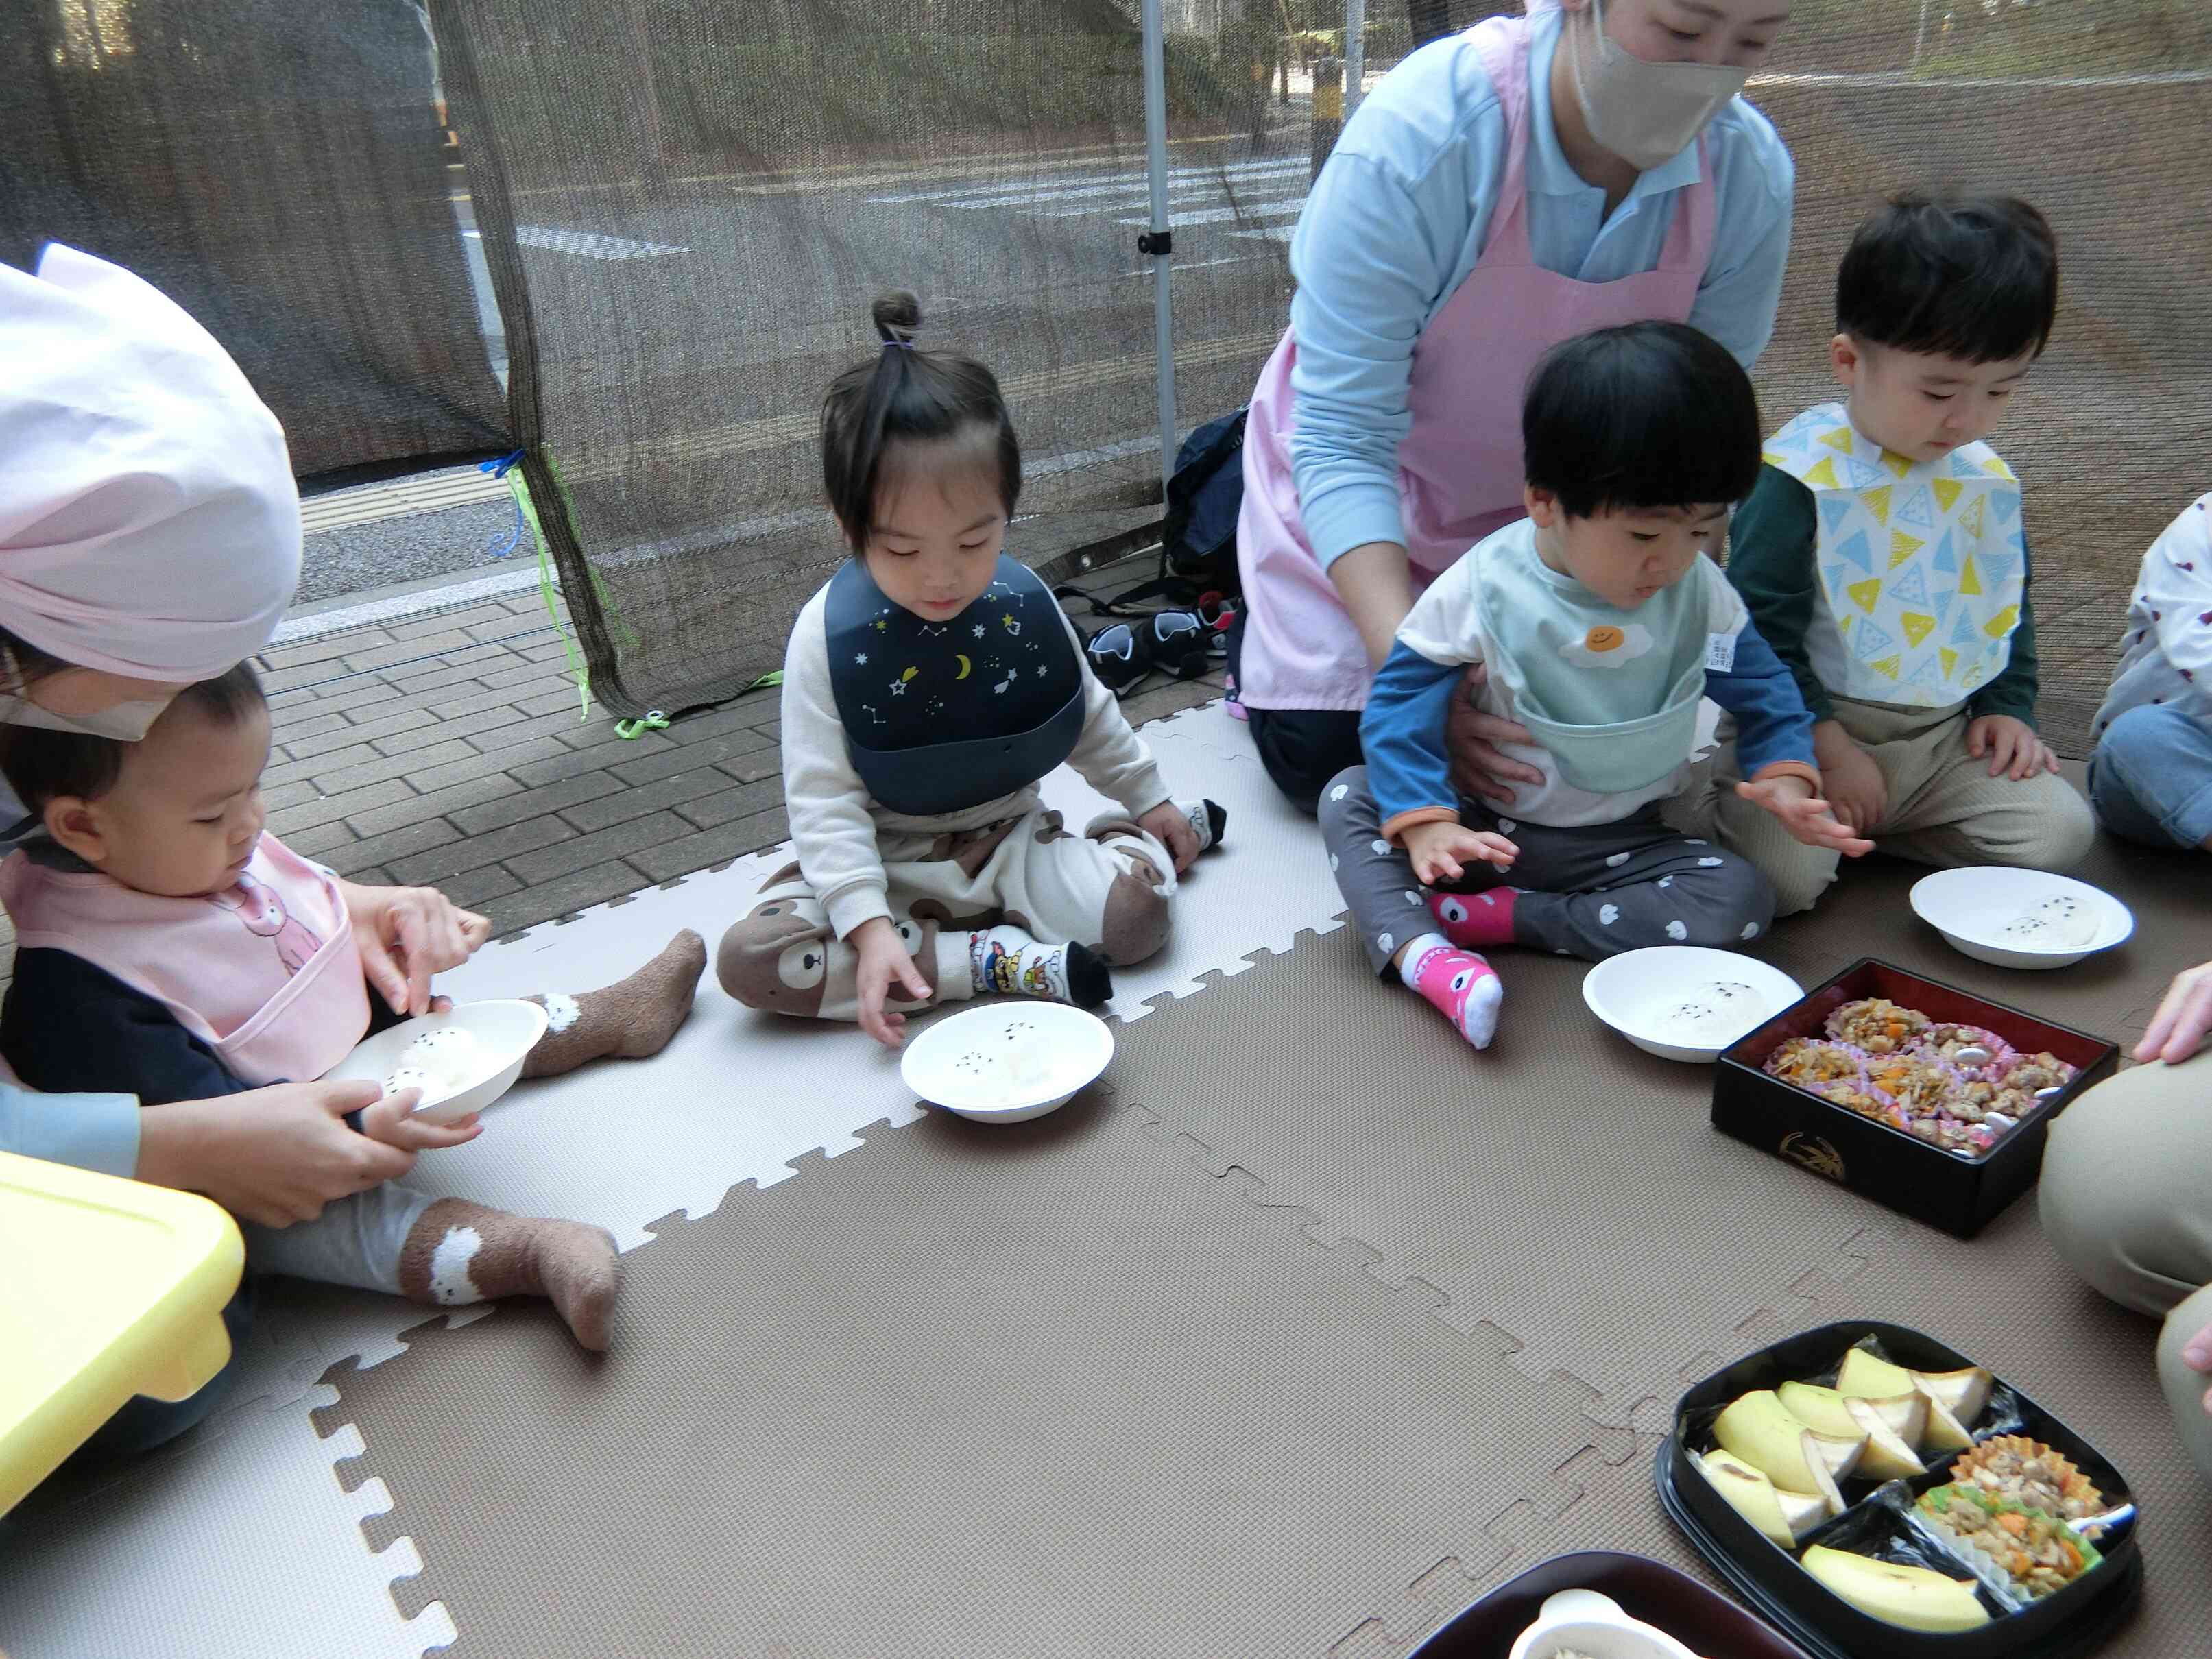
459 1252
631 1018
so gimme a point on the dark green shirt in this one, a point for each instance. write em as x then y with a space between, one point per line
1772 562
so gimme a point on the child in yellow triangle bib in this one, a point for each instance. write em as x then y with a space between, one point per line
1883 557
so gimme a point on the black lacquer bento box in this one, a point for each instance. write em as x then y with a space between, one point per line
1881 1520
1958 1192
1701 1620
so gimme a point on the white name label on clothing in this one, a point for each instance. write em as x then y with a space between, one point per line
1720 653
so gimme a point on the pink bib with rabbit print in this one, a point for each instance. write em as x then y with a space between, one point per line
266 972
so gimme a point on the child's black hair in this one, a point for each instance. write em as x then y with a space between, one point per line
907 393
1974 278
42 766
1643 415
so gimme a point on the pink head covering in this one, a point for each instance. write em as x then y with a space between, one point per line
149 526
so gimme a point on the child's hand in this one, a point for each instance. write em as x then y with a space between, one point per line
390 1121
1168 823
1441 852
2013 749
884 959
1804 815
408 934
1854 784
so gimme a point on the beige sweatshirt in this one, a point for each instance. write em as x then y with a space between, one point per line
835 822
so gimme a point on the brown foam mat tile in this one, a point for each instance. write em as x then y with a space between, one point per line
1028 1390
1562 1195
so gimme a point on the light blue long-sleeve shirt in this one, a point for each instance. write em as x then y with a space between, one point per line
1398 218
93 1132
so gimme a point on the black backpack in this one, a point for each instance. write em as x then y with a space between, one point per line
1198 536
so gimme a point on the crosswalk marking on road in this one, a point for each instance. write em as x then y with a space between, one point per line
1240 211
978 192
590 244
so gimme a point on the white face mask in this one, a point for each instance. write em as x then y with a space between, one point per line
1645 114
127 722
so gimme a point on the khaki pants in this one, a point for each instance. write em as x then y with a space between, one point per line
2127 1201
1108 887
1944 808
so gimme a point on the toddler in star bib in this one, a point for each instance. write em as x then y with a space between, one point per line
1883 556
927 688
1601 623
168 947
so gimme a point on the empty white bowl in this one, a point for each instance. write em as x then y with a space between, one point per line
2021 918
1008 1060
462 1060
1683 1002
1583 1621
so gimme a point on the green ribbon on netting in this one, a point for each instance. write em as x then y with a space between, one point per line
579 670
654 719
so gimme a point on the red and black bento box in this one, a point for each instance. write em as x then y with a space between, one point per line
1953 1190
1880 1520
1673 1601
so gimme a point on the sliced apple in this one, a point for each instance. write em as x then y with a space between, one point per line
1887 1456
1865 1375
1945 1432
1963 1394
1782 1516
1821 1410
1912 1598
1758 1429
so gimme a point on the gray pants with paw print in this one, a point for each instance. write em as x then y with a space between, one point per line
1591 892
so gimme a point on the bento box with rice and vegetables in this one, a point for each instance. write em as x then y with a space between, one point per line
1924 1097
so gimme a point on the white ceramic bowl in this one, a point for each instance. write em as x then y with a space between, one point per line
1583 1621
479 1065
1683 1002
1007 1060
2021 918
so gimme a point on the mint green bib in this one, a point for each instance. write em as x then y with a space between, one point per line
1613 695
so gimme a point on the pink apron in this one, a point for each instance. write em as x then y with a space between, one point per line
265 973
1460 473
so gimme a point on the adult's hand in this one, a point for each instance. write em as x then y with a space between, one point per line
408 934
2197 1354
1479 765
275 1155
2178 1030
1376 583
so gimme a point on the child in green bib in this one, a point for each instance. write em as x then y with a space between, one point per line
1882 555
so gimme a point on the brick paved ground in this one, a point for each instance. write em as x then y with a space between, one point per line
445 749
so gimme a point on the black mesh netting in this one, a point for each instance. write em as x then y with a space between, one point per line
277 168
688 205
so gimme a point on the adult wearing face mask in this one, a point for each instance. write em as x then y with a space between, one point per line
149 539
1501 191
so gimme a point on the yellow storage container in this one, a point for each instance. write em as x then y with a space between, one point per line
110 1289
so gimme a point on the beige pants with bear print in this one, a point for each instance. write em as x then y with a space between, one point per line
1108 887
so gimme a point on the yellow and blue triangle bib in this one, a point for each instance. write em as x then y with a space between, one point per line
1923 564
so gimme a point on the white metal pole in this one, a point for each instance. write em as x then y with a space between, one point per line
1355 53
1159 243
1920 34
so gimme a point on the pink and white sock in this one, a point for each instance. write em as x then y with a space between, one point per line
1476 922
1459 984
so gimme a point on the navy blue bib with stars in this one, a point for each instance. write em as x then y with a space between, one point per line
940 717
